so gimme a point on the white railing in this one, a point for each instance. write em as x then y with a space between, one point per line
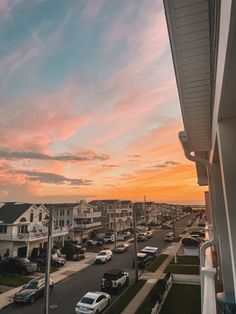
33 236
208 282
88 215
87 226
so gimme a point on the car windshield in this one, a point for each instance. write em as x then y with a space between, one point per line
102 253
87 300
31 285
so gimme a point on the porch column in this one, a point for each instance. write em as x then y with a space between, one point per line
227 153
223 236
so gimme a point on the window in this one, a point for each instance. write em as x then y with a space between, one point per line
3 229
23 229
31 217
68 212
40 216
62 212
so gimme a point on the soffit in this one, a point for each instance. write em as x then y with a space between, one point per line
189 30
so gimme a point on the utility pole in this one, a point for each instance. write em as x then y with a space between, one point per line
114 224
145 212
135 245
48 262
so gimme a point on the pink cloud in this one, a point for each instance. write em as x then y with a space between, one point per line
92 8
40 121
7 6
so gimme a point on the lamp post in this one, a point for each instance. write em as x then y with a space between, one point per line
48 262
135 245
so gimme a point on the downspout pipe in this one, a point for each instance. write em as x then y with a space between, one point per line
212 241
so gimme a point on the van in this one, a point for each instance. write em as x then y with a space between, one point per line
151 251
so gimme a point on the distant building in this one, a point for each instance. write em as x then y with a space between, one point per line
81 219
115 214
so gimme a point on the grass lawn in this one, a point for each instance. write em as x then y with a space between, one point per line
187 260
183 299
156 263
13 280
149 302
182 269
118 306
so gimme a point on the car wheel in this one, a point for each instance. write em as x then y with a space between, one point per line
127 282
32 299
107 284
118 289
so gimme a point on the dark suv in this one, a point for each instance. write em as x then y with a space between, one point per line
19 265
114 279
143 260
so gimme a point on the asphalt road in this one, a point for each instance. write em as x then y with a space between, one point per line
68 292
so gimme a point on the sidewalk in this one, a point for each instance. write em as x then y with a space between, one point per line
151 279
69 269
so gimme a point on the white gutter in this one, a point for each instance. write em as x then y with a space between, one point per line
184 141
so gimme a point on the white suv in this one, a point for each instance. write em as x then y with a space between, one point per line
103 256
114 279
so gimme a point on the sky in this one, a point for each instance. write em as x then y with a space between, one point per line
89 107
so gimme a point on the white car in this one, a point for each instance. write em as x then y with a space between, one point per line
103 256
92 302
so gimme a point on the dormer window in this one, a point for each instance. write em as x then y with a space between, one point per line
23 219
40 216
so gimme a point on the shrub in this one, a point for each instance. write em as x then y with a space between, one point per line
69 250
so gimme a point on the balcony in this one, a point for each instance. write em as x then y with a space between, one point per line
34 236
91 225
88 215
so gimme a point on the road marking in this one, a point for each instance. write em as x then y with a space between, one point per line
54 306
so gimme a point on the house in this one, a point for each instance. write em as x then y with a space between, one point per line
23 227
203 42
81 219
115 215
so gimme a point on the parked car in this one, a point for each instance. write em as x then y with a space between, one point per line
143 259
189 241
57 261
32 291
142 236
92 302
19 265
189 223
201 224
151 251
95 242
149 234
114 280
169 237
201 233
58 252
103 256
196 236
166 226
79 249
109 238
121 248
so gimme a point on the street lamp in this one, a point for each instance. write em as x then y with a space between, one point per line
135 245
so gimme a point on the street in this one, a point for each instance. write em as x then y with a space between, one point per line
68 292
